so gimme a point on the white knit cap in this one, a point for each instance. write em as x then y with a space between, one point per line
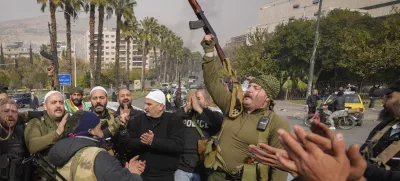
51 93
98 88
157 96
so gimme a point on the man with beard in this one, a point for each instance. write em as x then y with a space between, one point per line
110 124
12 144
41 134
75 102
200 124
22 117
157 137
382 147
227 153
126 113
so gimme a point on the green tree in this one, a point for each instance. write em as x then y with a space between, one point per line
130 30
147 34
71 7
122 9
53 4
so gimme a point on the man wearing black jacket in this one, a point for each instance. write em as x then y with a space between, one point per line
312 102
338 108
157 137
126 112
200 123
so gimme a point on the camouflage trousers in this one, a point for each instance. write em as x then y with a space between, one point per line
336 114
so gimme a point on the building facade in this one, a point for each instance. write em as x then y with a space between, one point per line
108 51
283 11
16 50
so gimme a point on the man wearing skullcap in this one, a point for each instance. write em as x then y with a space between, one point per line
228 152
41 134
75 102
157 137
81 156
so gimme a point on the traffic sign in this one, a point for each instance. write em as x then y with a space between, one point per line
65 79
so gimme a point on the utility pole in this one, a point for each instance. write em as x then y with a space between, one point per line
74 65
312 60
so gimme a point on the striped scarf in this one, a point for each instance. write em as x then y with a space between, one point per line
70 106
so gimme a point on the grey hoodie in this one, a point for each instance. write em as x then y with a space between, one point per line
106 167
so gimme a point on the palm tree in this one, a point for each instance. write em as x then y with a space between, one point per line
103 8
92 20
164 32
168 43
71 7
129 31
123 9
148 34
53 6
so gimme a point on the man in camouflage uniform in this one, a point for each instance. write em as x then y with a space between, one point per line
41 134
230 156
110 124
81 157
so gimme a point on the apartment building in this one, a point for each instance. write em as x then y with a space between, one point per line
16 50
282 11
108 51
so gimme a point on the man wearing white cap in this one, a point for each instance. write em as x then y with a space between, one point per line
109 123
41 134
157 137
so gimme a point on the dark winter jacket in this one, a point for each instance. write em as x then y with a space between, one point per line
312 100
210 123
162 157
106 167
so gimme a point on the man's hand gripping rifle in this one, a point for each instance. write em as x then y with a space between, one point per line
237 94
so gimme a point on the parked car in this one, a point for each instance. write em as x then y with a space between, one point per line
22 99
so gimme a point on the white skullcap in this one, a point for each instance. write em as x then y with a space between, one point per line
98 88
157 96
51 93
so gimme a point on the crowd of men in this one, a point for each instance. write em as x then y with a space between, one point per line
73 141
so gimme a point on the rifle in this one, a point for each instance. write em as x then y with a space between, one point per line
36 158
237 92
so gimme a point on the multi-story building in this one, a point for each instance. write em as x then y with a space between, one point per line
236 41
108 51
283 11
16 50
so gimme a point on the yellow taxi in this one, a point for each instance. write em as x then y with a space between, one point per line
353 102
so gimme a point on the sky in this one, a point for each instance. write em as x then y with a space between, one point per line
229 18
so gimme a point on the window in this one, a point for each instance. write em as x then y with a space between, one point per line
112 47
112 53
107 59
107 41
112 58
106 47
107 53
106 36
112 36
112 41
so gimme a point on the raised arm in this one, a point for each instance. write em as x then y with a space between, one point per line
213 72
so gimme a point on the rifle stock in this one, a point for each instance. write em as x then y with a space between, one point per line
205 24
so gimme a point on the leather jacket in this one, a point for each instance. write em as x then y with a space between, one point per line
338 103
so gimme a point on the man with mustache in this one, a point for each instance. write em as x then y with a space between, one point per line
157 137
41 134
12 144
75 102
227 152
110 123
22 117
126 113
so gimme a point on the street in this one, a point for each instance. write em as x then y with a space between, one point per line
357 135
